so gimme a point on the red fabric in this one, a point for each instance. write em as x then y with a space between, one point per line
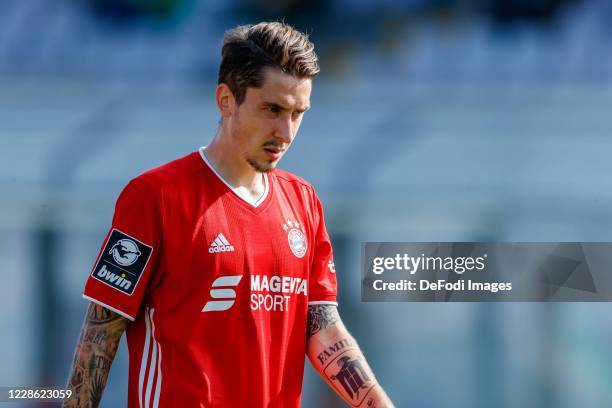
251 354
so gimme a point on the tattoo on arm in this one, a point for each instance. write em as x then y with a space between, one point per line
95 351
97 314
320 317
338 359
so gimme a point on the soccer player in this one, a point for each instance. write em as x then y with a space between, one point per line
218 266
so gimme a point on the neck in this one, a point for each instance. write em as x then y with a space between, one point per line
227 160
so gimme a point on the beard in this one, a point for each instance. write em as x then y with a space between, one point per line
261 167
264 165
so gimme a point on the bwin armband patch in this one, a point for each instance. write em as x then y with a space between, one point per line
122 262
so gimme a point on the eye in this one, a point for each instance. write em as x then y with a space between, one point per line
273 109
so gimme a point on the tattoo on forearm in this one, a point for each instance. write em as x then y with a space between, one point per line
338 359
331 351
94 355
97 336
350 375
97 383
99 315
320 317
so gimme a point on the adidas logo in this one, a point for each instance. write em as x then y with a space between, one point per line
220 244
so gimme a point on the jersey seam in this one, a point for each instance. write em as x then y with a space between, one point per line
162 208
109 307
322 302
295 180
157 196
322 296
311 190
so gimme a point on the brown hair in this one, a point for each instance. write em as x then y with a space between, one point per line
248 49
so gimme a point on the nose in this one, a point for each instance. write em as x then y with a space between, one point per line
284 130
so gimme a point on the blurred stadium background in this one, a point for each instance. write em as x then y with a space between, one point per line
446 120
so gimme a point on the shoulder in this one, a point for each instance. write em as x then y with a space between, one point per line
286 178
170 172
297 190
160 186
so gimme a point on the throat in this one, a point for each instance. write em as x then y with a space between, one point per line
252 189
252 194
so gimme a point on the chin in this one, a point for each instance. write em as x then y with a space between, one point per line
262 166
268 168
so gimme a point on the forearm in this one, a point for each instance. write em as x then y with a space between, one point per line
336 356
94 354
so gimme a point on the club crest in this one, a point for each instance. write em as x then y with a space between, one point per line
296 237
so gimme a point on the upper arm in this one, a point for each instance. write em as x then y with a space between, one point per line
100 335
126 266
103 324
324 329
321 317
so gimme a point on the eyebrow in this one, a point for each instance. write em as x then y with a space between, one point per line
283 108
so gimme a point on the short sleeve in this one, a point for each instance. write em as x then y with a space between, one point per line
127 262
323 287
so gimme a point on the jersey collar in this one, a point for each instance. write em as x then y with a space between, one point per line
254 203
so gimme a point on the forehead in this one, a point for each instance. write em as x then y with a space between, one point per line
284 89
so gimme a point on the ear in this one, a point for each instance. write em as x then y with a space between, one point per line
225 100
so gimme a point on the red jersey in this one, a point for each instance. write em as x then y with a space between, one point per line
217 289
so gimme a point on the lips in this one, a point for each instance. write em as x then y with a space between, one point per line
273 153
